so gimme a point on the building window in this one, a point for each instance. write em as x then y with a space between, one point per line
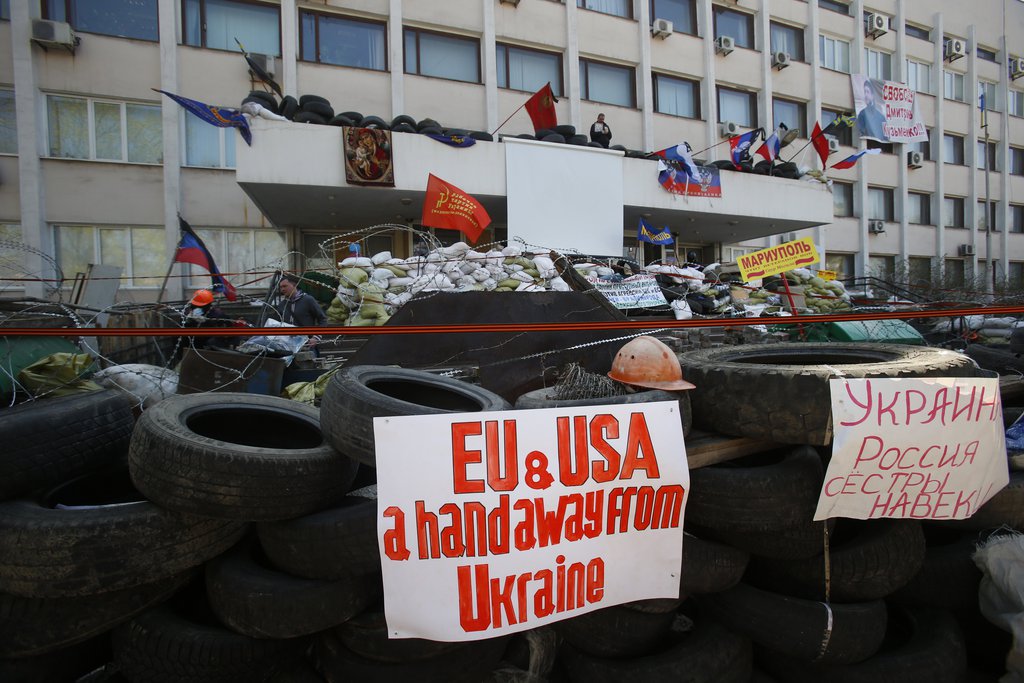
922 146
882 267
676 96
788 39
608 83
121 18
520 68
953 210
737 25
886 147
8 123
792 114
442 56
618 8
208 146
919 208
878 64
842 199
1016 161
1015 102
991 91
919 268
919 76
844 134
80 128
1016 217
980 155
217 23
980 213
881 204
835 6
986 54
240 251
918 32
953 86
342 41
955 273
737 106
1015 274
953 149
12 259
834 53
139 251
5 10
682 14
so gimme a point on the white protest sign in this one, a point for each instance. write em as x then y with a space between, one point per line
636 291
920 448
492 523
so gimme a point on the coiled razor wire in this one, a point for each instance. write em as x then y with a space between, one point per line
575 383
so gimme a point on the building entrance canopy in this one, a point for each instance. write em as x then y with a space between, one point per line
295 174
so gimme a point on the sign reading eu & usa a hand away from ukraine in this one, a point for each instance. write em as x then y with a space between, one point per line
492 523
914 448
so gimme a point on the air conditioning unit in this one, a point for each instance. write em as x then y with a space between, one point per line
833 144
876 25
966 250
724 45
661 28
47 33
876 227
1016 67
954 49
914 159
780 60
265 62
514 3
728 129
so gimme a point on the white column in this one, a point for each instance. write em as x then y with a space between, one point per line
171 119
902 180
645 84
396 41
572 60
939 151
29 108
289 48
709 91
490 65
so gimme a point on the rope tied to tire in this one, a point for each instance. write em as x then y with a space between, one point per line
827 635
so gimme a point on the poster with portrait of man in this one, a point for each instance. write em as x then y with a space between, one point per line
886 110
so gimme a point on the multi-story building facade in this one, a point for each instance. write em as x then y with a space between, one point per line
96 168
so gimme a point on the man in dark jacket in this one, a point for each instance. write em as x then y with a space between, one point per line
600 132
296 307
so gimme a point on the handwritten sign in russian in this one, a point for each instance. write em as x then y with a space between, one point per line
636 291
919 448
774 260
827 274
492 523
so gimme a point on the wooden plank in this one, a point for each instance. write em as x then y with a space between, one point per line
706 448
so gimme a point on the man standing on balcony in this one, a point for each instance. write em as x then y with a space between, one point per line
600 132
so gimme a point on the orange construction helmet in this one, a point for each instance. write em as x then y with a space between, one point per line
647 362
203 297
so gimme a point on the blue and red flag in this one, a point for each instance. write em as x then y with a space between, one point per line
740 145
770 149
217 116
681 154
192 250
849 161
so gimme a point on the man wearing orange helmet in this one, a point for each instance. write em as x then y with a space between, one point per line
202 311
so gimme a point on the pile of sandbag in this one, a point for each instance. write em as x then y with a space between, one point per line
373 288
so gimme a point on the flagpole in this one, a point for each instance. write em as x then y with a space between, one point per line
163 287
509 117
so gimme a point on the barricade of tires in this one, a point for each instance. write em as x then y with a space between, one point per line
231 537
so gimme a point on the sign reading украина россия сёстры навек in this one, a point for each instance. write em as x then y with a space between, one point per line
492 523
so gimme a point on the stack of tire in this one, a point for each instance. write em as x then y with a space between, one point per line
232 537
317 110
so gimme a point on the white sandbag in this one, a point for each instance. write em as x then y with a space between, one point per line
521 276
681 309
476 256
1000 322
529 287
489 284
975 322
996 332
145 384
381 274
545 266
467 267
434 257
480 274
398 263
356 262
604 272
380 257
557 284
511 251
400 282
514 267
1001 592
